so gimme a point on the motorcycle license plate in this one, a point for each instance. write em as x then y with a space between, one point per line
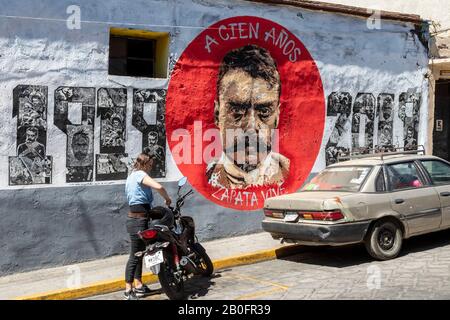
153 259
291 217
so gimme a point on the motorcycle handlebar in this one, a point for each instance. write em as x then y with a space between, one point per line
187 194
180 199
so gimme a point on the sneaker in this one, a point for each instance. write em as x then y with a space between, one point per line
130 295
142 291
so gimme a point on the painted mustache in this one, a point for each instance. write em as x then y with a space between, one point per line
249 143
247 151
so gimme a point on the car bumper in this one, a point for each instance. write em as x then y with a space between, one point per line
317 234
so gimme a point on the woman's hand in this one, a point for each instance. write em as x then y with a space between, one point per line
168 202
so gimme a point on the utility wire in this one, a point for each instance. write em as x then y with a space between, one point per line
130 24
103 22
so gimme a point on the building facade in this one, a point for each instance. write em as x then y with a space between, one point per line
85 87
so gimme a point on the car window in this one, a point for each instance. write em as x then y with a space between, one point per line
404 176
346 178
380 185
439 171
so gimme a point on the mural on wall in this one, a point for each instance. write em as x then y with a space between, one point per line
149 118
31 165
74 115
112 108
408 112
362 121
79 132
112 166
247 126
243 79
385 118
339 108
231 106
365 118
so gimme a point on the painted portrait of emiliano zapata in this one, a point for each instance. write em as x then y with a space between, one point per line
246 112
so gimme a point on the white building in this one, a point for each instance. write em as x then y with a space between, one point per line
84 88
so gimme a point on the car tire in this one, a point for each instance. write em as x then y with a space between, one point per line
384 240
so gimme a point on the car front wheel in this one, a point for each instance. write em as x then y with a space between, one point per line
384 240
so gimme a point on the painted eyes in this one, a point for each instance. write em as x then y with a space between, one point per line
239 111
264 112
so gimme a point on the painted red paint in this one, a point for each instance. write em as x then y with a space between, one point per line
192 91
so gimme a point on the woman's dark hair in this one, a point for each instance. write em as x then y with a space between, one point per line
143 162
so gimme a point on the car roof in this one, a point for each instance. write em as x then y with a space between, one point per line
376 160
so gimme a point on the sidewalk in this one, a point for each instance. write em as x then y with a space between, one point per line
109 272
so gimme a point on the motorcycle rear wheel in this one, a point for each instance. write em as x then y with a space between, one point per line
172 287
204 263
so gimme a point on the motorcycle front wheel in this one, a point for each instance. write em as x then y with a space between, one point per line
170 284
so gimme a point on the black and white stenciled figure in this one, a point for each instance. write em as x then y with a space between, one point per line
340 126
153 148
339 104
386 110
64 94
365 108
145 95
333 152
32 155
385 134
19 173
157 151
80 145
31 148
104 99
110 164
410 141
113 132
402 112
34 111
412 98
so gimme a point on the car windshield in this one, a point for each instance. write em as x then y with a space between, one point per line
338 178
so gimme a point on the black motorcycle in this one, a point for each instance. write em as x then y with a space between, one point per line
173 252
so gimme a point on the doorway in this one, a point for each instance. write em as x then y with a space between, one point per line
441 132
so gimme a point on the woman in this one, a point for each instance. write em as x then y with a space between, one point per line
138 188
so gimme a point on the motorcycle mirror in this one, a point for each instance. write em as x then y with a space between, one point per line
182 182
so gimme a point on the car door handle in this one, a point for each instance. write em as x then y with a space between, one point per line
445 194
399 201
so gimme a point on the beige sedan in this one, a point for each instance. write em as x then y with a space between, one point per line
378 200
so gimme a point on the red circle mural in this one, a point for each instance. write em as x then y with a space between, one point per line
241 78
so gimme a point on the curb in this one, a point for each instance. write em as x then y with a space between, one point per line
117 284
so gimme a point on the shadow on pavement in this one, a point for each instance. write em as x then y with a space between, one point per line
426 242
200 286
351 255
194 288
337 257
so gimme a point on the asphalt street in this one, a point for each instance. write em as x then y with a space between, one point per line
422 271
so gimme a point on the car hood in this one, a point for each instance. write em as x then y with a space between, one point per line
307 200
